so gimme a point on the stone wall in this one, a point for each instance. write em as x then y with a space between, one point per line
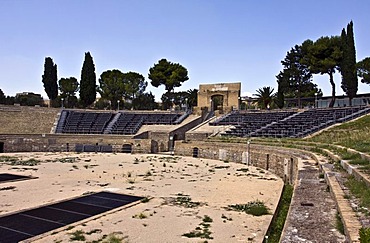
163 140
280 161
57 142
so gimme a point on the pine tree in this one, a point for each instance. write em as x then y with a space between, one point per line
88 81
50 79
348 64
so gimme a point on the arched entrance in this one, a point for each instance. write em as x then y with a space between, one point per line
217 102
171 142
223 97
195 152
127 148
1 147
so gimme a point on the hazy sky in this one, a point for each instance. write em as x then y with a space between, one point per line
218 41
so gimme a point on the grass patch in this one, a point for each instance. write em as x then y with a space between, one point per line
140 216
359 162
186 202
339 223
281 213
29 162
8 159
68 160
364 235
354 134
255 208
78 235
360 190
202 231
111 238
145 200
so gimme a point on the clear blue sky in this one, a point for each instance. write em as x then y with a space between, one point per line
218 41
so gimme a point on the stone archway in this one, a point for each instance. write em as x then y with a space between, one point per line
223 97
127 148
217 102
195 152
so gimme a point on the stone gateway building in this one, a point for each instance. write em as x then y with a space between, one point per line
223 97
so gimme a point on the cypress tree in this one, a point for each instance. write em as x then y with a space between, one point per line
88 81
50 79
348 65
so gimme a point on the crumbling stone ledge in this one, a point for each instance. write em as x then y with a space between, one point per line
349 218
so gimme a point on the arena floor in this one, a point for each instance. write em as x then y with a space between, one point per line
182 193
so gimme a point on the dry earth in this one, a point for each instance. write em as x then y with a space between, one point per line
214 184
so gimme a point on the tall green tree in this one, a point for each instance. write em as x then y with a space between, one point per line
348 63
50 78
2 97
112 86
134 85
265 96
324 57
282 80
169 74
88 81
144 101
68 88
297 75
363 70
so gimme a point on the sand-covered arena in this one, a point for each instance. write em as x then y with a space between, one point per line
210 185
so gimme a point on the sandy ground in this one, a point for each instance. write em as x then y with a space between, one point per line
214 184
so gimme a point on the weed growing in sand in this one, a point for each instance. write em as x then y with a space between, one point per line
226 218
145 200
75 167
130 178
68 160
94 231
8 159
30 162
140 216
185 201
255 208
78 235
243 169
201 231
112 238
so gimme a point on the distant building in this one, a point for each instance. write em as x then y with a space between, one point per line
324 101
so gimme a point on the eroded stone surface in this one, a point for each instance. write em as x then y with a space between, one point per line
313 210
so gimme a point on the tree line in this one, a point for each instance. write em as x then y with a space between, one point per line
116 88
324 56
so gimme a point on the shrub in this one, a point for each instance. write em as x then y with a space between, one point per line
255 208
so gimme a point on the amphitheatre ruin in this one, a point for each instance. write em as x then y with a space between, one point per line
177 176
